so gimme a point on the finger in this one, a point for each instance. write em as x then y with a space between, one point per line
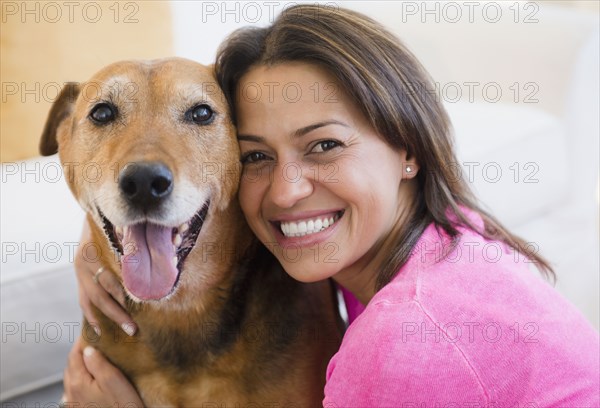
80 387
92 293
113 286
76 372
95 362
115 312
88 311
83 272
108 377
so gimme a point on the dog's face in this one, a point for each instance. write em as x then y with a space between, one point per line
149 151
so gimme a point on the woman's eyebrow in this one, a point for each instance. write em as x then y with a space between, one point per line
307 129
251 138
297 133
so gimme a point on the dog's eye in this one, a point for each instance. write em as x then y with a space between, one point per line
103 113
201 114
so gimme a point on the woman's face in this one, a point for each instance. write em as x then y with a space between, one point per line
320 188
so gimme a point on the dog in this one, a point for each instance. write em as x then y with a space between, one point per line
149 151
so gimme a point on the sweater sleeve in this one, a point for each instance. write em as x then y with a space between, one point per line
393 356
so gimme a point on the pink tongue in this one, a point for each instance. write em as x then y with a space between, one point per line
148 271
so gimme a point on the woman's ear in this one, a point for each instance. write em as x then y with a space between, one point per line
410 167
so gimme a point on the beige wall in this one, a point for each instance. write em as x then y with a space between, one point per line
46 43
587 5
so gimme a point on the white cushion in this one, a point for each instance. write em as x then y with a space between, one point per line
41 224
40 320
514 157
41 220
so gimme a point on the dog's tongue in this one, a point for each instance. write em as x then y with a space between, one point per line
147 266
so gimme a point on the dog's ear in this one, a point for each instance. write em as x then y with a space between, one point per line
61 109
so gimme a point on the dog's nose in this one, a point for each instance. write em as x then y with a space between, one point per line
146 184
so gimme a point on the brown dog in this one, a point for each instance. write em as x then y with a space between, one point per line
150 153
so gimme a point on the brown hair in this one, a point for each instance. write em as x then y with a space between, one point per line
388 84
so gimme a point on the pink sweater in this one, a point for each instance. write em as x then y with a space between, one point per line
477 329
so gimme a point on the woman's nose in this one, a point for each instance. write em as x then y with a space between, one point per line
290 183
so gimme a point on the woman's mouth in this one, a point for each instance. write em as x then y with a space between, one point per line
308 226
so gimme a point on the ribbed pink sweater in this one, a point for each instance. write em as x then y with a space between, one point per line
476 329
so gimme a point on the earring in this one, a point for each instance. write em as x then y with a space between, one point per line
408 169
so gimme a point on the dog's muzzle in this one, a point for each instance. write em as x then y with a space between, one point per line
152 254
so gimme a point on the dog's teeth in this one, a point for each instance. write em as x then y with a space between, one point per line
183 227
119 230
177 239
128 249
174 261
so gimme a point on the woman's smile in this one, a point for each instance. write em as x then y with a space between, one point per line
306 229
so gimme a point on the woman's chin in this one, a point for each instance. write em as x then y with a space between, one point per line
308 270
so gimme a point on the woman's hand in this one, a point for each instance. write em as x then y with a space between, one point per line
99 286
90 378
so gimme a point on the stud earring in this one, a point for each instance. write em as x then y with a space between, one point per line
408 169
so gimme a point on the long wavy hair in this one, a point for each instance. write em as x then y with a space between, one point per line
390 86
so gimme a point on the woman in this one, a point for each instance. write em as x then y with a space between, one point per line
347 165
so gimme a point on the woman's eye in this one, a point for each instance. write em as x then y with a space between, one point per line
253 157
103 113
324 146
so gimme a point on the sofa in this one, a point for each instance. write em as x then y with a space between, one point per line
519 80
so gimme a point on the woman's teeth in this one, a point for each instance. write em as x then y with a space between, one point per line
308 226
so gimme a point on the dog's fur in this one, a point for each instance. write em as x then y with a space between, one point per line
235 329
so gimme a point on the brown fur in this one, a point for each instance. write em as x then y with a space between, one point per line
235 330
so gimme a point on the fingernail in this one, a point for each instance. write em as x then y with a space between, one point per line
97 330
128 328
88 351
